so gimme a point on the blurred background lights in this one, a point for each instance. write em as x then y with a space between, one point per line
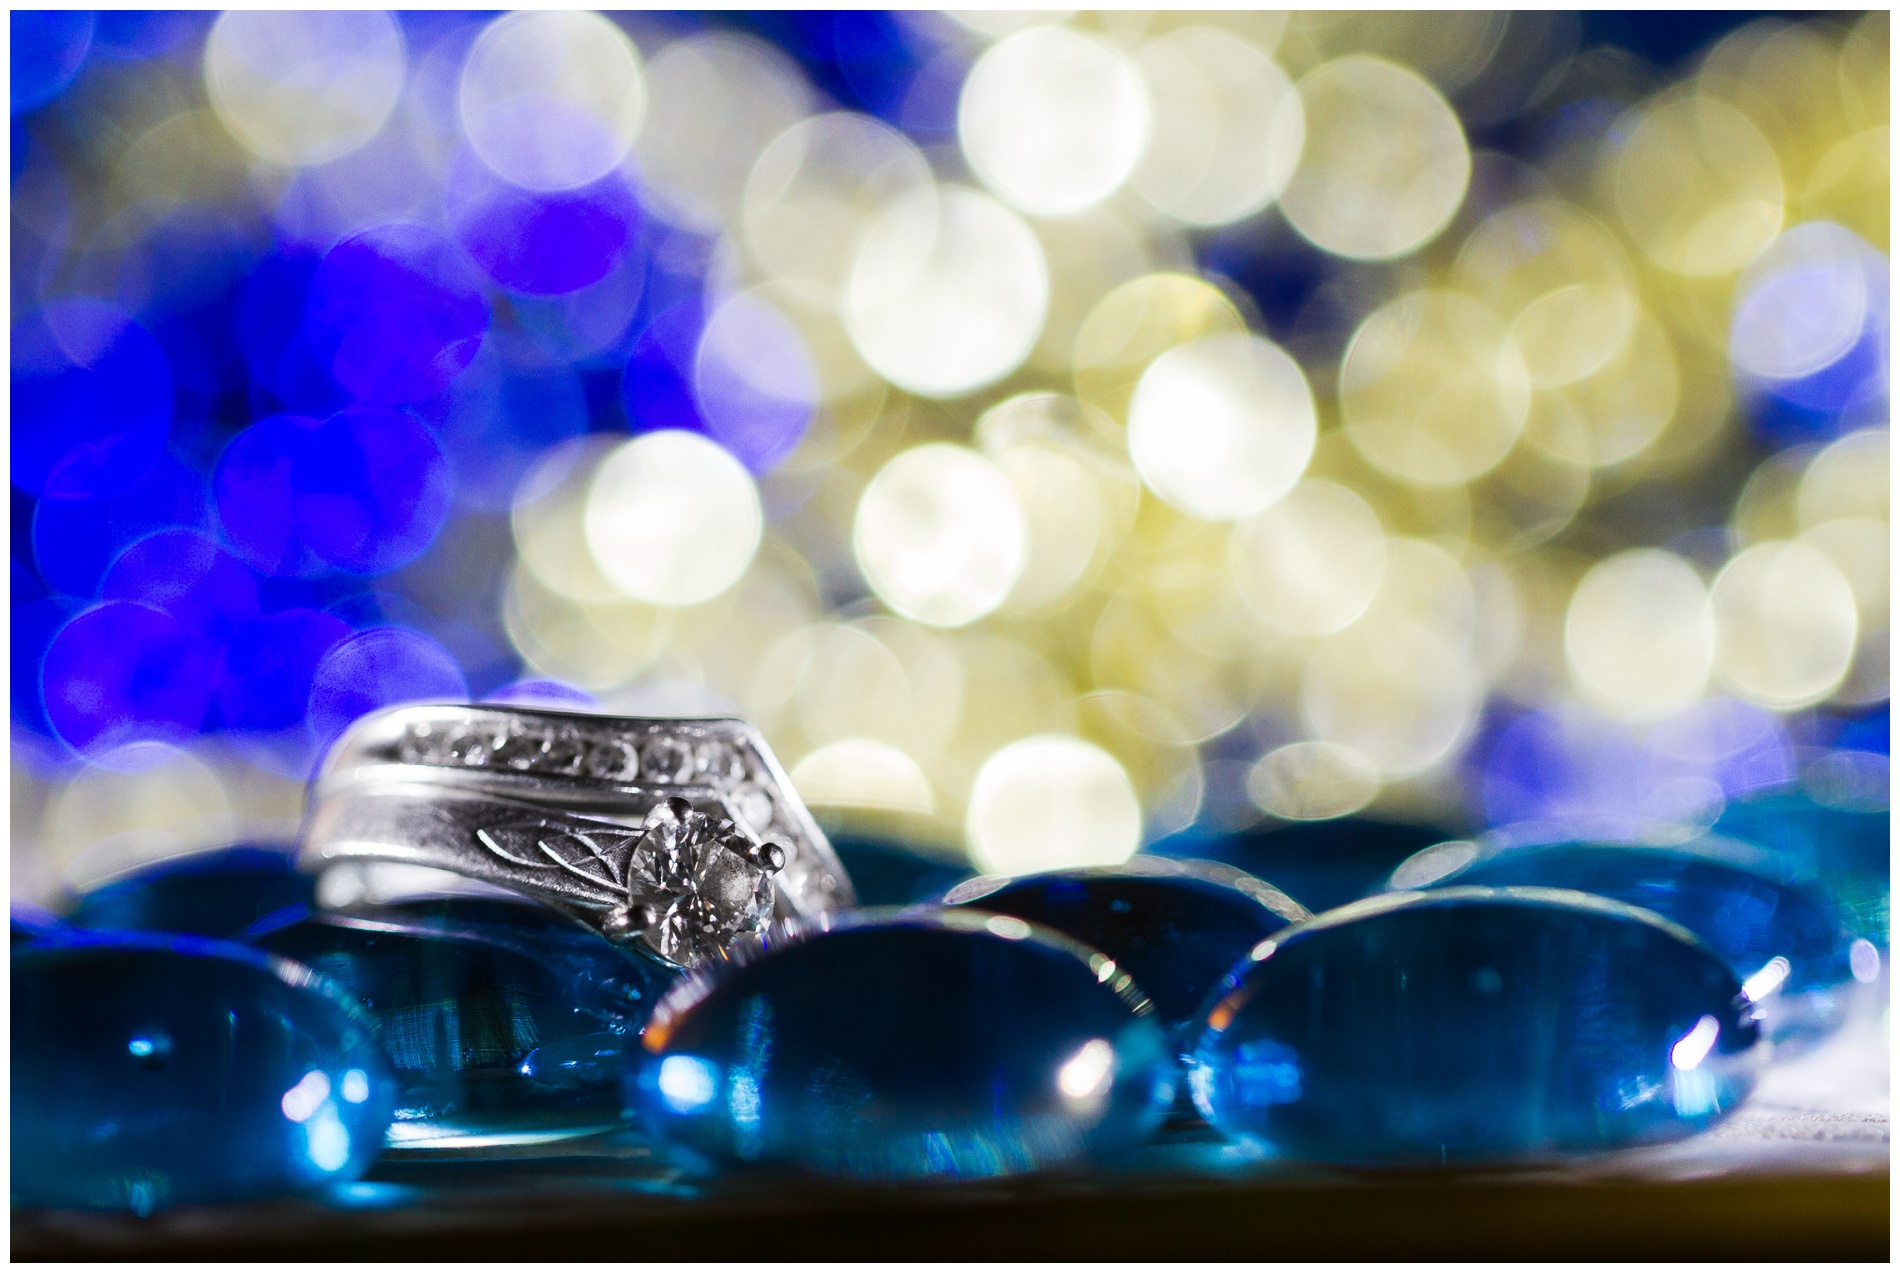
304 87
1385 164
124 672
1403 706
140 802
815 190
1304 782
1049 802
1222 426
1560 280
1861 550
549 520
672 518
92 400
1227 127
1053 120
948 292
1065 522
754 382
47 50
1135 323
552 100
542 243
395 313
881 679
1472 420
1847 479
1402 685
1805 301
1433 390
1785 623
376 668
1698 186
1311 563
1638 634
993 24
863 773
1565 335
1619 407
716 101
939 535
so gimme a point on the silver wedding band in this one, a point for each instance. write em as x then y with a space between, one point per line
679 834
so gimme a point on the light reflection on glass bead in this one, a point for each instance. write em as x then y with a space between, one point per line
906 1045
152 1072
1475 1025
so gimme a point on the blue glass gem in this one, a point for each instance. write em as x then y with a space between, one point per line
1785 941
1174 925
215 894
151 1071
506 1022
1319 864
906 1044
1473 1024
1847 845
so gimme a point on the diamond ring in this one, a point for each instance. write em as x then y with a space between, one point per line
680 835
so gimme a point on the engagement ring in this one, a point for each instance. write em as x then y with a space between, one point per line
679 834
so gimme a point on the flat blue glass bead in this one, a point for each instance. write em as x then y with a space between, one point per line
903 1045
1319 864
1473 1025
1849 850
1175 925
505 1021
1785 941
151 1071
215 894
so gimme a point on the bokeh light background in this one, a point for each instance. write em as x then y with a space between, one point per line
1056 431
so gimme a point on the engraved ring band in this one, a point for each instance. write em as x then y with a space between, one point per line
681 835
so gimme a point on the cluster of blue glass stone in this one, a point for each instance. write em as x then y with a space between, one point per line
202 1030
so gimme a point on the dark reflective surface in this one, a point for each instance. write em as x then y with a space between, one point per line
214 894
1475 1025
1175 926
495 1014
907 1045
1725 892
154 1071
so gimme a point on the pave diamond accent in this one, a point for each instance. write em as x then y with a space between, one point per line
569 751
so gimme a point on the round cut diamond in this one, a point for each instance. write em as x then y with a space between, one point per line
700 882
